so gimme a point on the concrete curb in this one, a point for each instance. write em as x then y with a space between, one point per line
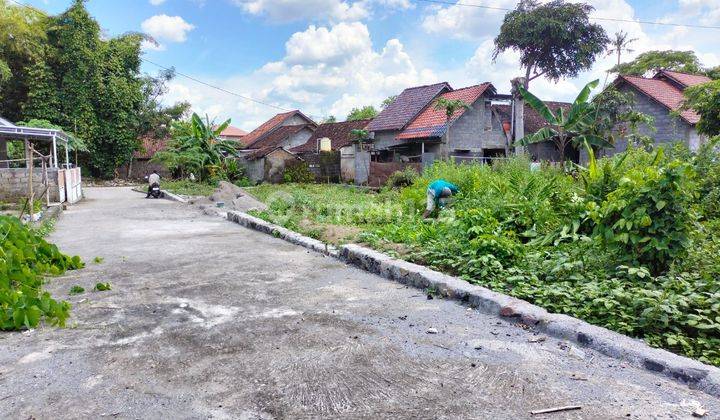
255 223
173 197
635 352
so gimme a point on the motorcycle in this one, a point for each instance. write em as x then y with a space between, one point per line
155 191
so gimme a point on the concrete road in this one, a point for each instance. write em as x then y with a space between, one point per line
208 319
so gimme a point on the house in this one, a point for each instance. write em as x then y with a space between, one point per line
266 150
268 164
385 128
295 129
339 136
233 134
470 133
661 97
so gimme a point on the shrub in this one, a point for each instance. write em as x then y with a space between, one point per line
298 172
647 220
404 178
25 257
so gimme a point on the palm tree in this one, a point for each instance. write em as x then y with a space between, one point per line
451 106
619 44
575 126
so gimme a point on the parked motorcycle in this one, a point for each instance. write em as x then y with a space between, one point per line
155 191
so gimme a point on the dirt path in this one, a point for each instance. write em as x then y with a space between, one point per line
208 319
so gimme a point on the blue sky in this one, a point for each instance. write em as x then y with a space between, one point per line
327 56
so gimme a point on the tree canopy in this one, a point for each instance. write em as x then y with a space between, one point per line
554 39
64 70
705 100
652 61
364 113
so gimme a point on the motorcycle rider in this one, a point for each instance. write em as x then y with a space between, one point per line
154 178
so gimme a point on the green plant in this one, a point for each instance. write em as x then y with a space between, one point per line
76 290
98 260
404 178
102 287
298 172
196 148
574 126
25 257
648 218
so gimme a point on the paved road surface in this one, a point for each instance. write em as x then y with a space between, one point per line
208 319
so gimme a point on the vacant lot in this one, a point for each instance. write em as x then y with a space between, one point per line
206 318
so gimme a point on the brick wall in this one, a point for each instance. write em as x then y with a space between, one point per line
381 171
476 129
14 181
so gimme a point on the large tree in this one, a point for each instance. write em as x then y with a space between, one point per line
22 43
652 61
554 39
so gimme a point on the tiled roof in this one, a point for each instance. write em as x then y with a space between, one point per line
231 131
406 106
270 125
276 137
684 79
149 146
663 92
533 121
338 133
433 122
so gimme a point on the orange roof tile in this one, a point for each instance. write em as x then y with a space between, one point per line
663 92
433 122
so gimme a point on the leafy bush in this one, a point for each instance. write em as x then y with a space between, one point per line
25 257
647 219
404 178
298 172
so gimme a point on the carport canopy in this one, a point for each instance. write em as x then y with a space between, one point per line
10 132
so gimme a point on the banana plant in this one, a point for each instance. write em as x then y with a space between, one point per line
574 126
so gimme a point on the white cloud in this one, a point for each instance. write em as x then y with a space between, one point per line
157 2
291 10
329 46
167 28
327 81
149 45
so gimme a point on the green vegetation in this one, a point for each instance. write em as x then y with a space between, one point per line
98 260
364 113
185 187
629 243
63 70
554 39
196 148
25 258
102 287
76 290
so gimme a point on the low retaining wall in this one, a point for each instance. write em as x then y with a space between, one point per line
635 352
14 182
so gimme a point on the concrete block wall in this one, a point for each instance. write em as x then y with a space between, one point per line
13 183
476 129
668 128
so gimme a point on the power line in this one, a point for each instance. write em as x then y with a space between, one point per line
506 9
177 72
214 86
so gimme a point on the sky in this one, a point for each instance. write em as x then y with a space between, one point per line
326 57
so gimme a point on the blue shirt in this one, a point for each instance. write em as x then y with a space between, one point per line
439 185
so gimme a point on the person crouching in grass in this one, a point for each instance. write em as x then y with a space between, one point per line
438 193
